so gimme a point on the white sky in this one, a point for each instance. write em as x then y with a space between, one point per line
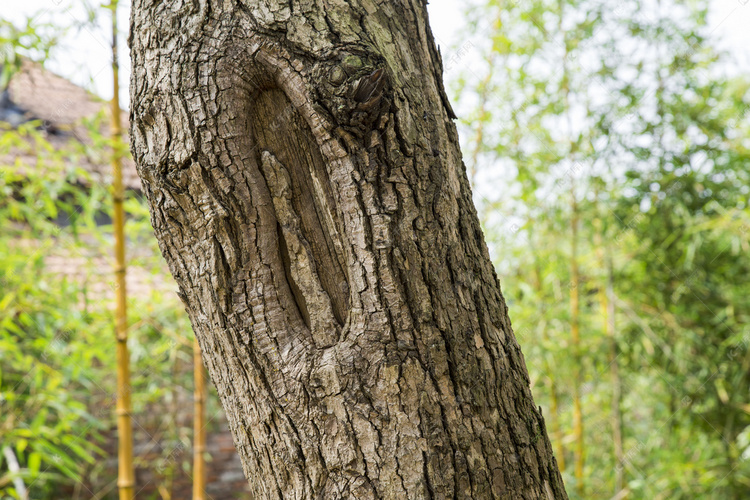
83 56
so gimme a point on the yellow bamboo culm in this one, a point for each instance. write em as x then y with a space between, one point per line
555 425
576 341
553 403
579 450
199 431
606 301
125 473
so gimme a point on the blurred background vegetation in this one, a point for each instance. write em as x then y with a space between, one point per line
608 144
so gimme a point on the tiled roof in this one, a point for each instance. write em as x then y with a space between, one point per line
62 106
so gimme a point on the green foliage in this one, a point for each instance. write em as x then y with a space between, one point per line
46 352
57 382
33 41
623 108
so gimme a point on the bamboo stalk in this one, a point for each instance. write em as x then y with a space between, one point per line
126 473
199 431
579 450
576 343
606 300
553 405
555 424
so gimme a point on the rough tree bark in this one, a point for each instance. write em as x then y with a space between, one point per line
307 190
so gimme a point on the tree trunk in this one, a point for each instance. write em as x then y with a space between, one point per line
307 190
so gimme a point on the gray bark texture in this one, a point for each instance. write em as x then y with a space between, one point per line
307 190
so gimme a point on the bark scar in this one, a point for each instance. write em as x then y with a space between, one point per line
316 304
